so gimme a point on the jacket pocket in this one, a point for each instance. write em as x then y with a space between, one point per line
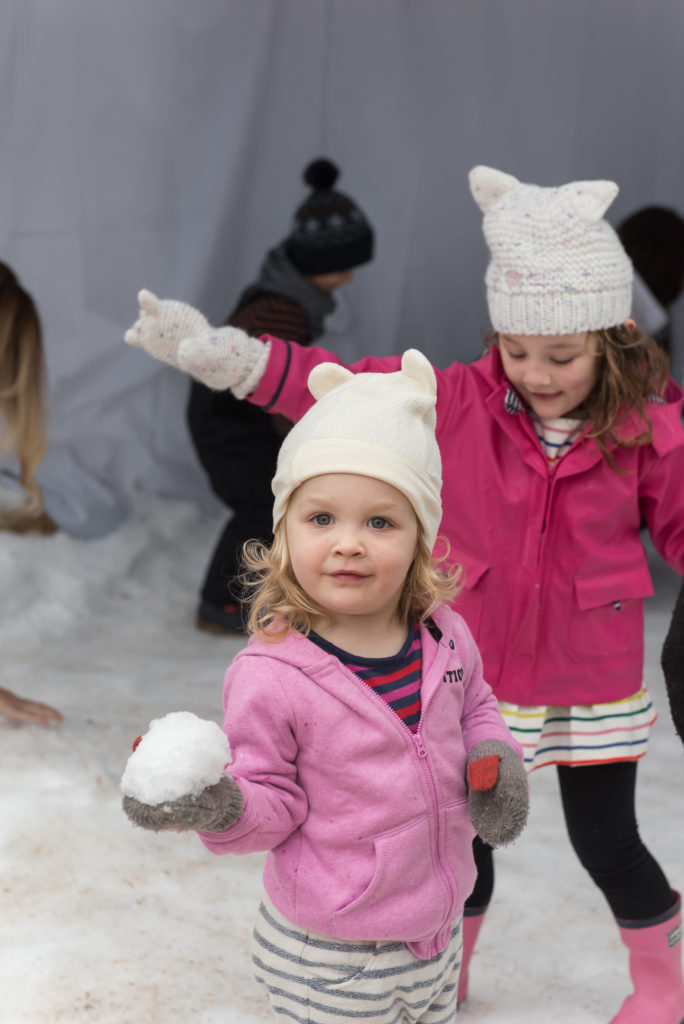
400 894
413 888
469 602
607 617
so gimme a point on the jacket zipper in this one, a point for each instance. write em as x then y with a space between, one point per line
550 485
422 756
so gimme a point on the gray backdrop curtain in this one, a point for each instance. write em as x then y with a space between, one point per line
160 143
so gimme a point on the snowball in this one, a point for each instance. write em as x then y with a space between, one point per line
179 755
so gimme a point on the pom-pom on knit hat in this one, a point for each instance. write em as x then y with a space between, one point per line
556 266
380 425
330 233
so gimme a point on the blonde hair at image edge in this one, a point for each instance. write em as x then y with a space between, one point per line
278 605
22 381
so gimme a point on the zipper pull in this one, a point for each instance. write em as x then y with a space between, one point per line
422 752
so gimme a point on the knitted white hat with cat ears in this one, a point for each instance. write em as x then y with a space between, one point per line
380 425
556 266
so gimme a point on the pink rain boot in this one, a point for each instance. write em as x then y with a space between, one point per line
655 964
472 922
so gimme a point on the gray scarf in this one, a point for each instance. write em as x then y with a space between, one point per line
279 275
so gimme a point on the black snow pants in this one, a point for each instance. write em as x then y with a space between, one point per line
598 803
237 445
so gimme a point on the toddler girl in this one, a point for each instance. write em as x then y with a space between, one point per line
367 746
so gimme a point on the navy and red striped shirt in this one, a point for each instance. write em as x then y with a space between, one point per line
396 679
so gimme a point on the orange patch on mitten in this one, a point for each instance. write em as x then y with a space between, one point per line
484 772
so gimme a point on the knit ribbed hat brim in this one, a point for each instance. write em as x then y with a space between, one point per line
380 425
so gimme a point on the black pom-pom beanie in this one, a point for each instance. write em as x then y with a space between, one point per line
330 233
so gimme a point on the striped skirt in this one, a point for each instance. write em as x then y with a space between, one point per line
312 979
582 733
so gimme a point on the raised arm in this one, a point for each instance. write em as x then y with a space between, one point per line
283 384
270 371
223 358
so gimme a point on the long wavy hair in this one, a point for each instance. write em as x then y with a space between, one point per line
22 397
632 369
279 606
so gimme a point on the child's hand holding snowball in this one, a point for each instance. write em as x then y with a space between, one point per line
175 778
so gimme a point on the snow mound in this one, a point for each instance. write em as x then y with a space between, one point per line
179 755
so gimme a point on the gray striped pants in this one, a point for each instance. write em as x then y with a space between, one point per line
312 979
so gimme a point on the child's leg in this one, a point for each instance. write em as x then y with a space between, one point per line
443 1005
598 801
475 908
237 446
315 978
481 895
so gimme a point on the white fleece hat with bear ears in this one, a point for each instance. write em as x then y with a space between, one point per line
380 425
557 267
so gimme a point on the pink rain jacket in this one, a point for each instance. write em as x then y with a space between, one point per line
367 824
556 573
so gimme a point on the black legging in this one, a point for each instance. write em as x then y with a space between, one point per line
237 445
598 803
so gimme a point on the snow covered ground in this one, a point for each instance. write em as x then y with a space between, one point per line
106 924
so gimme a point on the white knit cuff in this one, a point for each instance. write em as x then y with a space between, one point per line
256 357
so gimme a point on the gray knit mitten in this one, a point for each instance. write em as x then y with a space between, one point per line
223 358
214 809
672 660
498 798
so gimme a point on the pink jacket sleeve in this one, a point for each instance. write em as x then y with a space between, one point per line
481 719
283 386
259 725
661 499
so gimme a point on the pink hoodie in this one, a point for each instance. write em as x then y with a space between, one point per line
367 824
556 570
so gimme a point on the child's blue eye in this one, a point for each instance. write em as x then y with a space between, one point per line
378 523
322 519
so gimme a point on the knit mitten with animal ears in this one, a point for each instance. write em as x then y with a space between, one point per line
221 357
212 810
498 797
672 660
